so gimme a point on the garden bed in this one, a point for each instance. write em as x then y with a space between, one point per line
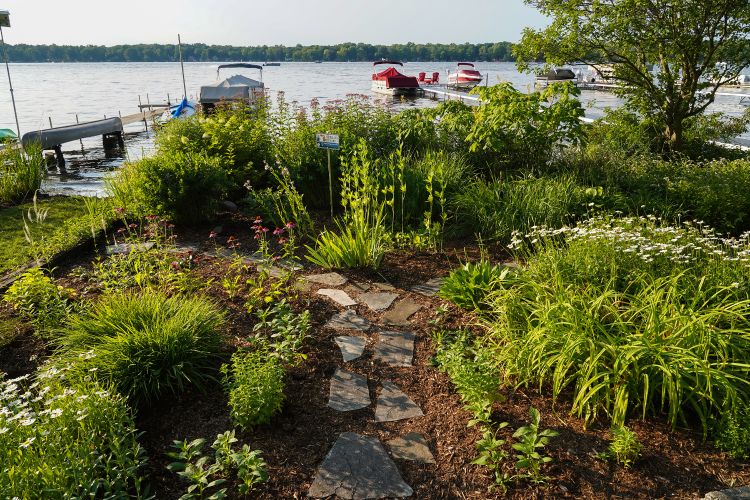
297 439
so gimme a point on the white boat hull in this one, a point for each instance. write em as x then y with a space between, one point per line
381 87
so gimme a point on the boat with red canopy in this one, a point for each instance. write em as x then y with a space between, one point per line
465 76
391 82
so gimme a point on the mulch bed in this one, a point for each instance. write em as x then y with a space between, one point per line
674 464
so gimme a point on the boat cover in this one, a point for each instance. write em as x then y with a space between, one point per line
394 79
233 88
560 74
6 133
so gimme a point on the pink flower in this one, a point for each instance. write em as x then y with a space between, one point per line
278 231
175 265
132 226
290 225
283 241
212 234
264 229
151 217
120 210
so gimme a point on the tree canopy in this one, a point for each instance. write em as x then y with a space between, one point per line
500 51
669 56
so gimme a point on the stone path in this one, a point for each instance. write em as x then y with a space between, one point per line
359 467
348 391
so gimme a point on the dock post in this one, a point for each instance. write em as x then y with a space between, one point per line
79 140
50 121
60 159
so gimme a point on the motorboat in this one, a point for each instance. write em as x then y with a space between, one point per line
556 75
234 88
465 77
391 82
185 109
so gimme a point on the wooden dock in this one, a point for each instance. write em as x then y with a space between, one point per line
445 94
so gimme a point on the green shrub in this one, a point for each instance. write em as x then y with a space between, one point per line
40 300
468 285
732 433
147 345
255 383
625 447
525 129
184 186
630 322
496 208
21 173
63 442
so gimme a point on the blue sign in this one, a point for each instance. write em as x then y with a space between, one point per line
327 141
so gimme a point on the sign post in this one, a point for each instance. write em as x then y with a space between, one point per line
329 142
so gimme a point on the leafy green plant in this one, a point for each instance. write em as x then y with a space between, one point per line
58 440
185 186
190 464
468 285
625 447
530 445
40 300
255 383
21 172
732 433
492 455
147 344
284 331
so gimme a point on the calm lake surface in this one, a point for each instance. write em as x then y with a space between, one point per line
93 90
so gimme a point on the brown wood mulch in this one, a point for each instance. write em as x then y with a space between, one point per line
674 464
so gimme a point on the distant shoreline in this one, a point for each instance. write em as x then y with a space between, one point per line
345 52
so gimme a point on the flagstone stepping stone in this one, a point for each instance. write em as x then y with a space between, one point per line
348 391
401 312
733 494
395 348
356 287
123 248
273 271
430 288
339 296
394 405
290 265
247 258
411 447
356 468
351 347
348 320
328 279
384 287
378 301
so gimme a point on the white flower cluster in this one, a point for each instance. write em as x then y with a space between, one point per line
647 238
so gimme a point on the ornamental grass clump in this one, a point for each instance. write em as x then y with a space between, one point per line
60 441
148 345
630 320
21 173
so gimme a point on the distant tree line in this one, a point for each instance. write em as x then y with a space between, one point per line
199 52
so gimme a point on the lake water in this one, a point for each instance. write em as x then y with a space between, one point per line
93 90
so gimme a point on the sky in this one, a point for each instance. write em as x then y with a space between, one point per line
266 22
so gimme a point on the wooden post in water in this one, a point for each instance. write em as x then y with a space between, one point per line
50 121
60 159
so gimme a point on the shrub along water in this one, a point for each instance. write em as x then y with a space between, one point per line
21 173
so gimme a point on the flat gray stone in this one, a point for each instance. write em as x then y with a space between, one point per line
348 391
339 296
411 447
351 347
430 288
359 286
123 248
378 301
290 265
273 271
401 312
742 493
348 320
384 287
394 405
395 348
328 279
356 468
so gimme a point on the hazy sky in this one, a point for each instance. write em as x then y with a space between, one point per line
266 22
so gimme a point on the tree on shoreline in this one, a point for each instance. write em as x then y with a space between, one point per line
669 56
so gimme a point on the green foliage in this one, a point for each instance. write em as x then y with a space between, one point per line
40 300
630 317
732 432
492 455
185 186
496 208
525 130
282 331
255 383
625 447
205 477
468 285
362 238
147 345
62 442
21 173
530 446
694 46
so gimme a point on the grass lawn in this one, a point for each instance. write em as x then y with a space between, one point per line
67 223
